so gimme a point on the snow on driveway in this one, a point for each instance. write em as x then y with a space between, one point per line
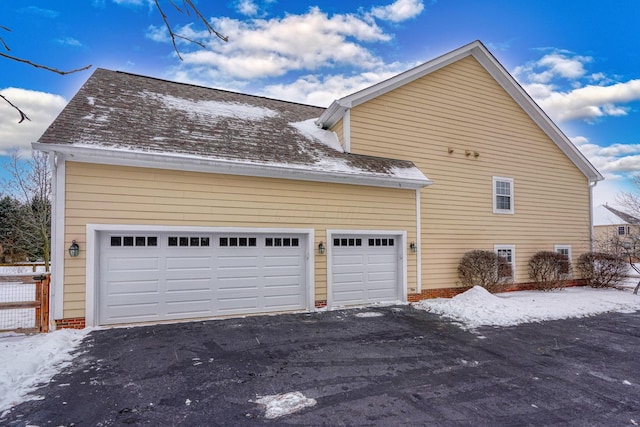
477 307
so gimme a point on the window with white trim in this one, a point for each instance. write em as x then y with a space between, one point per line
566 251
622 231
508 252
502 195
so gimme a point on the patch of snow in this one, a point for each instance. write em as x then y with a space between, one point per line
91 100
408 173
21 270
625 382
369 314
310 130
27 362
477 307
282 404
213 109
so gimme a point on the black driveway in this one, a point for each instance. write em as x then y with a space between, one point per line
405 367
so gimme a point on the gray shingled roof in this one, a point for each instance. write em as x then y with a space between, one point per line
629 219
131 113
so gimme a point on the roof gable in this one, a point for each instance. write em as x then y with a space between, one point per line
606 215
477 50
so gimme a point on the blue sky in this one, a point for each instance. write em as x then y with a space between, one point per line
579 60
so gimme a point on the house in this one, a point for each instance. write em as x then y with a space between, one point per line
189 202
615 231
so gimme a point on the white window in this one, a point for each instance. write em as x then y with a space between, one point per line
621 231
508 252
566 251
502 195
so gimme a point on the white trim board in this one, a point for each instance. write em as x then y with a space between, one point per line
170 161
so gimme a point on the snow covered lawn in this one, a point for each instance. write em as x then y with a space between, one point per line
29 361
477 307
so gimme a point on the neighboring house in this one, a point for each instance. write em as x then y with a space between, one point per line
615 230
191 202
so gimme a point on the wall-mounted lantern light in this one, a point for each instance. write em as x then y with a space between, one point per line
321 248
74 249
413 247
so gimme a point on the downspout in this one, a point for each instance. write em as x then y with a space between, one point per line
418 244
53 253
592 184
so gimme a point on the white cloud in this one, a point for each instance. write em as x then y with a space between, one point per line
248 7
41 108
562 86
322 90
69 41
262 48
586 103
398 11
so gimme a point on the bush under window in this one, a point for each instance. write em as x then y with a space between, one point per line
601 269
486 269
549 270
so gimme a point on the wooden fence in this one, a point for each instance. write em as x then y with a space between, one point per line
24 303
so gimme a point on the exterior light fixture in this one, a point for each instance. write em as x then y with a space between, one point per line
74 249
321 248
413 247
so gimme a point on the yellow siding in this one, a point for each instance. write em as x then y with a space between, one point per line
338 128
462 108
102 194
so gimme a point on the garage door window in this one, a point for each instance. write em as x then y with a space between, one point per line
281 242
129 241
234 242
188 241
381 242
347 242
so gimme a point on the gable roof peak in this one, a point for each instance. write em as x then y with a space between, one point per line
479 51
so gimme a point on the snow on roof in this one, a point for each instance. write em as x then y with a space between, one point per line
607 215
127 113
212 110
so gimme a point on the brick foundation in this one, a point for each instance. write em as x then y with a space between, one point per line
321 303
71 323
452 292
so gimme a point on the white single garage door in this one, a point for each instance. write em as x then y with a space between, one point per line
365 269
148 276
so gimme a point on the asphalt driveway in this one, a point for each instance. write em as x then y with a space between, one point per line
403 367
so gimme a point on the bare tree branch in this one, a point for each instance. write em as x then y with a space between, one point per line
188 4
44 67
23 116
188 7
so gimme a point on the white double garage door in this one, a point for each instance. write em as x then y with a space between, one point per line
147 276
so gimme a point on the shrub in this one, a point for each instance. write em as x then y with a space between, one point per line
549 270
601 269
486 269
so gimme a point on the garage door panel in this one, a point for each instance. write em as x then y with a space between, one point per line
237 262
189 275
189 263
190 308
238 304
130 264
188 285
140 312
281 302
138 287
